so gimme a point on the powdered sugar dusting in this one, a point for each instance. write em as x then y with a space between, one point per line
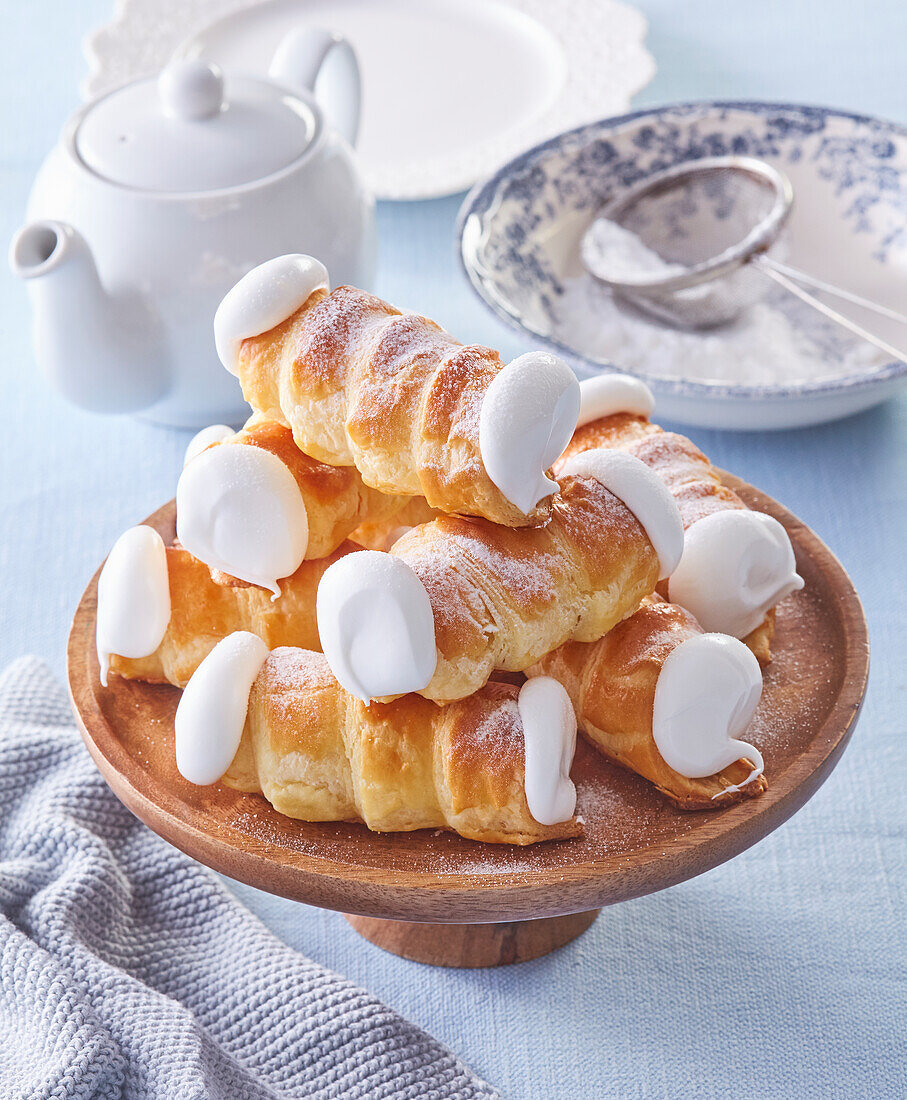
617 255
778 340
331 332
499 723
528 577
288 669
801 683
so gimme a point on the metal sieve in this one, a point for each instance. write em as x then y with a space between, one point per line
715 227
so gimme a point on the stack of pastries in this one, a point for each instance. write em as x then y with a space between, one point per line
397 592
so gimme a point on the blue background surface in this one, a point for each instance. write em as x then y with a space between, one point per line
780 974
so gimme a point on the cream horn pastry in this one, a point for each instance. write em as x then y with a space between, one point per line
253 506
160 611
416 412
737 563
494 767
668 701
381 534
459 597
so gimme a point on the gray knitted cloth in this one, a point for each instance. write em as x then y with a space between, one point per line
128 971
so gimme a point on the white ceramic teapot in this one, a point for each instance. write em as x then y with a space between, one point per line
161 195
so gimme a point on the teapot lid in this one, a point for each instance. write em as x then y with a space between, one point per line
189 129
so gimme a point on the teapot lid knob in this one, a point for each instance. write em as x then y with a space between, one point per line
191 90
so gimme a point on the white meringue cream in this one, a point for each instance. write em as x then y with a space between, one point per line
376 625
643 492
212 710
528 416
239 509
133 597
202 440
736 565
706 695
607 394
264 298
549 735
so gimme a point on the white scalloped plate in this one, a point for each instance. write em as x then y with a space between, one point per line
452 88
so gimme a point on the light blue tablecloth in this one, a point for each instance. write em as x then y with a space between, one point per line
781 974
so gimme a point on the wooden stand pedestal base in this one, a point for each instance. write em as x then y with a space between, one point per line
473 945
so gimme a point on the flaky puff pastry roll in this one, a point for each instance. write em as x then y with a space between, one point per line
381 534
254 507
494 767
737 564
457 598
160 611
657 686
416 412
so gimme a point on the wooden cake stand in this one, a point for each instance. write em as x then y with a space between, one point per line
436 898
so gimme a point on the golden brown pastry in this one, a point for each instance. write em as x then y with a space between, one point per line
381 534
362 384
459 597
612 684
700 493
694 482
318 754
200 612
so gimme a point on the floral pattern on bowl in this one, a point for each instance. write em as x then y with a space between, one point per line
519 236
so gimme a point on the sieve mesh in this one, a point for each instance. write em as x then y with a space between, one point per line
697 244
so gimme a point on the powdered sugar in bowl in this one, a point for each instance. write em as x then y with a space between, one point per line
779 365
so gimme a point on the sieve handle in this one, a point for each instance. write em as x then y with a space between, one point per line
786 276
829 288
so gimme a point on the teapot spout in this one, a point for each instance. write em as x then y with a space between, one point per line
102 351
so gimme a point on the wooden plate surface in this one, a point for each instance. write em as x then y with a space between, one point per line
634 843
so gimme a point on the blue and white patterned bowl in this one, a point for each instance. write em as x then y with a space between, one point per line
519 235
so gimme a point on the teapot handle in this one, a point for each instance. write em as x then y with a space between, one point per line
307 57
